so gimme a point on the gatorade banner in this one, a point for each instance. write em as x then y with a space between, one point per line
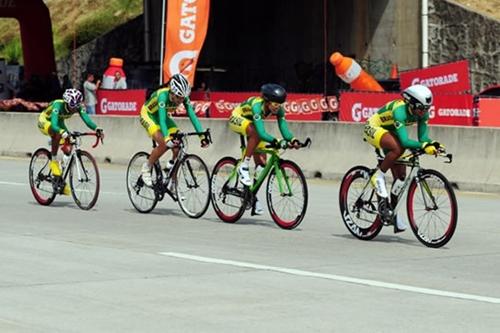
359 106
446 109
489 112
120 102
451 110
297 106
445 78
186 28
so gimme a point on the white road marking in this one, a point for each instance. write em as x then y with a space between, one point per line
371 283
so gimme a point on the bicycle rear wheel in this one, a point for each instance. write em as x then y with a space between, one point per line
84 180
358 204
193 186
142 197
41 178
287 196
432 209
228 194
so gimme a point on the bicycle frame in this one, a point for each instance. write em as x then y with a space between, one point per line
272 162
74 156
162 182
412 160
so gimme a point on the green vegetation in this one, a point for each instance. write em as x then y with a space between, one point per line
73 22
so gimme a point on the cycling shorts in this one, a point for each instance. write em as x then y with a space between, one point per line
373 134
239 124
151 123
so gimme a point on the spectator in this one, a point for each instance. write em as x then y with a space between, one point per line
90 89
119 81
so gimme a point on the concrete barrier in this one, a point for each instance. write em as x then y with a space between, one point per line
336 146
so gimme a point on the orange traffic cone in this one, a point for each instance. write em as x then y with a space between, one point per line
351 72
394 72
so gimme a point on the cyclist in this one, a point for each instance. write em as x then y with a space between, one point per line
386 129
51 123
247 119
160 126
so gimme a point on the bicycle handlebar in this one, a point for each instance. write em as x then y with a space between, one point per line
77 134
180 135
306 143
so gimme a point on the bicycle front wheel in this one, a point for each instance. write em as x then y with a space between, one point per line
84 180
287 195
142 197
193 186
228 194
358 204
41 177
432 209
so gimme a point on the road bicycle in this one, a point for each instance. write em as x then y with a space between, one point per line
431 204
186 182
78 165
286 188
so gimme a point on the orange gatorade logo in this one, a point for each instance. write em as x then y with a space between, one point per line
186 28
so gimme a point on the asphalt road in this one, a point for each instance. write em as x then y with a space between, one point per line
112 269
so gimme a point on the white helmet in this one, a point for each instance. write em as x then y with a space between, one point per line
418 97
73 97
179 85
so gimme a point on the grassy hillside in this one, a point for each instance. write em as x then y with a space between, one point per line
82 20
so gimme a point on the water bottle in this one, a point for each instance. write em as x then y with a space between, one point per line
258 170
65 161
168 167
397 186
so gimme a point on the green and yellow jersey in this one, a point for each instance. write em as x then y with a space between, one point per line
159 108
395 117
55 114
252 111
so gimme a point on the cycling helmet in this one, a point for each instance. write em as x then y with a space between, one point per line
418 97
272 92
73 97
179 85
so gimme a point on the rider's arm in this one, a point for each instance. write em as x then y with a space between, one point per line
86 119
54 120
259 123
423 129
399 116
162 112
285 132
192 115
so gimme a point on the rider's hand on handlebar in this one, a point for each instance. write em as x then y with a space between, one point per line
65 135
431 148
204 142
295 144
99 132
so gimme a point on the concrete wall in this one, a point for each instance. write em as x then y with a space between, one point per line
336 146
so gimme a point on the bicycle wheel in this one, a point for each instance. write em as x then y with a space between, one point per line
432 209
228 194
358 204
84 180
193 186
41 177
142 197
287 195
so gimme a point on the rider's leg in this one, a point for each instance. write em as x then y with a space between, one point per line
398 174
54 147
158 151
393 150
252 142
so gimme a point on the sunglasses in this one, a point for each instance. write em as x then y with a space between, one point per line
274 104
420 106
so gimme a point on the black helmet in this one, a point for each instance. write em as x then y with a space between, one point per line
272 92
